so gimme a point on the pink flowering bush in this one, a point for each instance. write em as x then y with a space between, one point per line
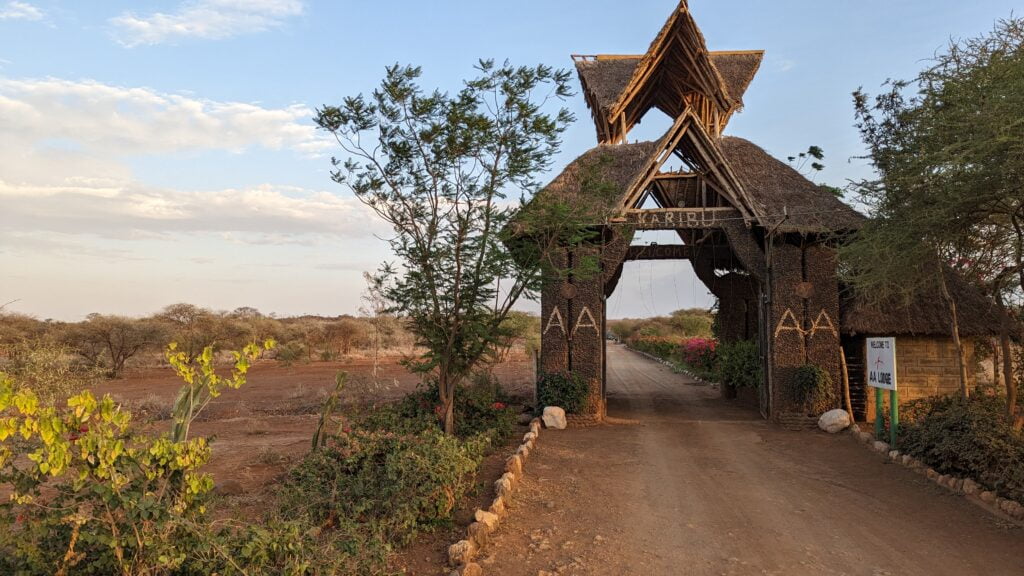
698 353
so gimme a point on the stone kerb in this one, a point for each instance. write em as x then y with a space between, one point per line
462 554
966 487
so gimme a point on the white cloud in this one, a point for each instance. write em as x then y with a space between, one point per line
207 19
121 120
261 215
20 11
63 152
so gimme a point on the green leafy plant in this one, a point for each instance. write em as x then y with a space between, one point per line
202 384
327 417
290 353
88 493
812 389
657 346
481 407
967 438
739 363
395 484
567 391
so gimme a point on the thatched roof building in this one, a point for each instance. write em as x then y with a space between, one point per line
925 315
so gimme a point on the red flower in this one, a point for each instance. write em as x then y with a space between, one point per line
498 406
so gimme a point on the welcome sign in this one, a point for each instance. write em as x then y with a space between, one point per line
881 362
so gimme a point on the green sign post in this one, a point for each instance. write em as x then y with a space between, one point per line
881 359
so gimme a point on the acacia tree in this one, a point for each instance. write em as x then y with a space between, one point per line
439 168
950 186
114 339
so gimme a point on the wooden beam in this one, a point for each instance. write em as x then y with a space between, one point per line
717 252
659 252
677 218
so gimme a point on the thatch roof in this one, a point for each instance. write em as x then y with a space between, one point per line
595 184
926 315
768 182
737 69
773 184
605 77
678 51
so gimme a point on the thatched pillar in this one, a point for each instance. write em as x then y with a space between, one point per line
554 309
586 350
572 333
804 316
822 305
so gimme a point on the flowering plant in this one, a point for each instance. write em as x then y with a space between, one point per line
698 352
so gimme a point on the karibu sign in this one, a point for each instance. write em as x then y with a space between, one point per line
881 362
679 218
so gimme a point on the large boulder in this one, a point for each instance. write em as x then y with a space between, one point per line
834 421
554 417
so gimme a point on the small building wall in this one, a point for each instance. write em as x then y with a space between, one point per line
925 366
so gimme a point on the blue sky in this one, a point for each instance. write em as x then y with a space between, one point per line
155 152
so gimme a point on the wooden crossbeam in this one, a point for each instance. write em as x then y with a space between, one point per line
677 218
659 252
674 251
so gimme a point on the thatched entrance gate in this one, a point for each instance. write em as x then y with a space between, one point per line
755 230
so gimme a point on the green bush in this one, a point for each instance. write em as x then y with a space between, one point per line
91 495
739 363
290 353
966 438
658 347
567 391
64 466
812 389
283 547
394 484
48 369
481 407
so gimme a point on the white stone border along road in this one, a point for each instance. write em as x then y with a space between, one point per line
462 553
966 487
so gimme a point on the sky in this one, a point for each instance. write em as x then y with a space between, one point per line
161 152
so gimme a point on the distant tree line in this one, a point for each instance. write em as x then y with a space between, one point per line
685 323
109 342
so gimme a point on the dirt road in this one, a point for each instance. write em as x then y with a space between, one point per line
698 486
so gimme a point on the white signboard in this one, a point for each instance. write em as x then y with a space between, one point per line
881 362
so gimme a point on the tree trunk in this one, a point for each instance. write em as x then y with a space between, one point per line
846 384
1007 355
997 378
1009 378
954 325
446 391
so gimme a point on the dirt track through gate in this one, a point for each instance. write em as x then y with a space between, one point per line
696 485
